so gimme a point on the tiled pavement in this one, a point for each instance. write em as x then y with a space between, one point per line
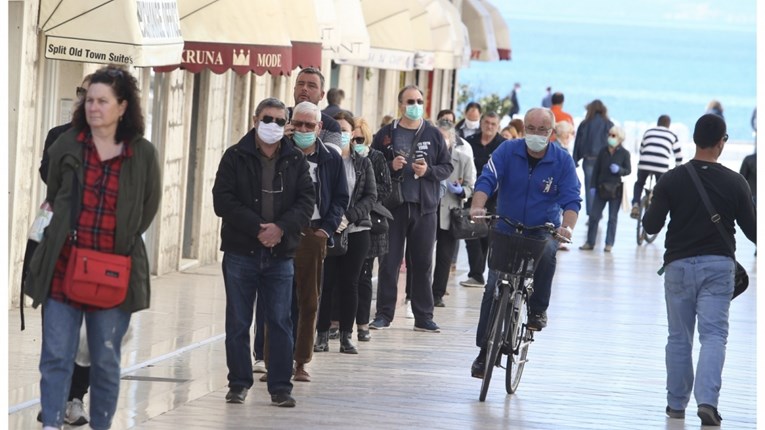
599 364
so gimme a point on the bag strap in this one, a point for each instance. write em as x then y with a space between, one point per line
75 207
714 216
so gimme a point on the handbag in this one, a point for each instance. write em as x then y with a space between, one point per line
462 226
339 244
741 279
92 277
379 215
610 190
396 196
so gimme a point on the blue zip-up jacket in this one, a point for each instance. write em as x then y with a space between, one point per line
333 196
431 143
531 196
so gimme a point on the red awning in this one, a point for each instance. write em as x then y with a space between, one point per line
241 35
306 54
303 29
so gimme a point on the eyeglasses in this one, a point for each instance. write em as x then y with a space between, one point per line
114 73
725 137
358 140
300 124
445 123
540 131
81 92
413 101
612 135
268 119
280 186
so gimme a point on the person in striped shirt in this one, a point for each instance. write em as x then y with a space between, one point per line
658 147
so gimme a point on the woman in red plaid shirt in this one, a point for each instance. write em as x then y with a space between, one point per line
116 171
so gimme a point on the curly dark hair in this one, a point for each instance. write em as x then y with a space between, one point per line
125 87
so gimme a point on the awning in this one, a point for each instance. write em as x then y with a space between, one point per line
462 38
343 30
501 31
141 33
422 39
444 34
483 42
300 16
389 26
242 35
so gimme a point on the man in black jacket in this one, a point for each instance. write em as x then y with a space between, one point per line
264 194
699 266
419 160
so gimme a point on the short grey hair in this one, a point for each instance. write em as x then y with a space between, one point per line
269 102
309 108
563 127
546 111
405 89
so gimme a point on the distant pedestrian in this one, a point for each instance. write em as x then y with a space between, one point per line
335 97
418 158
657 150
591 137
471 123
509 133
699 267
715 107
517 124
516 107
612 164
749 172
547 99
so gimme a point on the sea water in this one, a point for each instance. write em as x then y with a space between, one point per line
639 71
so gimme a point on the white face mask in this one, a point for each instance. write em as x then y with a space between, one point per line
535 142
270 133
472 124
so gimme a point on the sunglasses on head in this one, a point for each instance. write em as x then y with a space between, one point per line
413 101
268 119
81 92
725 137
358 140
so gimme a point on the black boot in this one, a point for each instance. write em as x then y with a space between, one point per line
322 342
345 343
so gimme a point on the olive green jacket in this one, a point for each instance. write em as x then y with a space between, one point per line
140 188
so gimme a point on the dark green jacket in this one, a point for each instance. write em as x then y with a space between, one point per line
140 188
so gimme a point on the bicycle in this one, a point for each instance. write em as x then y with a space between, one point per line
514 256
645 202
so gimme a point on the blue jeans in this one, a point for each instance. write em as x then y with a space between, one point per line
697 288
539 300
596 212
61 337
271 278
588 166
260 331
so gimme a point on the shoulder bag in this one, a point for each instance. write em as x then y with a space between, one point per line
396 196
339 244
92 277
741 281
464 227
379 215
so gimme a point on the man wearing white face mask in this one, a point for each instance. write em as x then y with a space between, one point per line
264 194
471 124
533 181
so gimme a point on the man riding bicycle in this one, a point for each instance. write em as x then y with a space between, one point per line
534 181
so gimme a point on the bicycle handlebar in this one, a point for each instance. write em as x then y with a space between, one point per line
519 227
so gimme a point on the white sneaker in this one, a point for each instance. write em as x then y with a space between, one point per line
75 413
259 366
409 313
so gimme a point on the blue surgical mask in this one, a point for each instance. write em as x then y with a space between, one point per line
345 139
414 112
304 139
535 142
612 141
361 149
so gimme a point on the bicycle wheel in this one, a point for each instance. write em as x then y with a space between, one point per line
494 339
516 359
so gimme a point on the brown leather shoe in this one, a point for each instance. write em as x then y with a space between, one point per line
301 375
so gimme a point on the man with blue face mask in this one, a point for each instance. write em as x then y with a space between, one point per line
533 181
419 160
331 187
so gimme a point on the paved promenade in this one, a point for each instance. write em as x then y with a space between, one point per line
599 364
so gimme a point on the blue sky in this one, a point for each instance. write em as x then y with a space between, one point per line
729 14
